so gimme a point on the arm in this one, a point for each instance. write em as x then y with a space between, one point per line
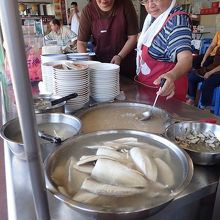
211 48
184 64
216 70
208 52
69 19
129 45
81 46
179 51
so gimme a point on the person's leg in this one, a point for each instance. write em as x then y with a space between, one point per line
193 80
208 88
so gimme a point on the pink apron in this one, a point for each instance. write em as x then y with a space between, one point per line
158 68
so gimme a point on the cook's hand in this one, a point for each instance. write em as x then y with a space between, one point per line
116 60
207 75
168 88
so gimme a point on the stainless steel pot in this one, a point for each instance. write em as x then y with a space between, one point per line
123 115
198 157
76 148
41 108
11 131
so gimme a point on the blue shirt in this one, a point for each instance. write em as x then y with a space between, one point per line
173 38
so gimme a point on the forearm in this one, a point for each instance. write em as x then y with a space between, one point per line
215 70
129 45
69 19
208 52
81 46
183 66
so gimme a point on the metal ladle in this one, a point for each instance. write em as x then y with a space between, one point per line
48 137
148 114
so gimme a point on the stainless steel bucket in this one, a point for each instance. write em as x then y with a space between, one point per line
198 157
11 131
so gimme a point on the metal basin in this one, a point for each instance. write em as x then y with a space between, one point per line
41 104
123 115
181 162
11 131
198 157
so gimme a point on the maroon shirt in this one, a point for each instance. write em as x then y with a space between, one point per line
110 31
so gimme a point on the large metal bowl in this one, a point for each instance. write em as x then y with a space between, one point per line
198 157
123 115
76 148
41 104
11 131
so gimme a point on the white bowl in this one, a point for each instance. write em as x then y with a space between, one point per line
104 66
52 57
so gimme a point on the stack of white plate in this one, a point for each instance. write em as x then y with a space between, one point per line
47 74
52 57
104 81
71 78
78 56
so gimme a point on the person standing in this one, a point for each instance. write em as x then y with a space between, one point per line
164 48
74 17
113 25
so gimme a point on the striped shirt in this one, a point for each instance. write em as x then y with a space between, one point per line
173 38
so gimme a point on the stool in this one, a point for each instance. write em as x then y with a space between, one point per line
215 108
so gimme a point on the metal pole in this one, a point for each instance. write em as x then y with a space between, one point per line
13 37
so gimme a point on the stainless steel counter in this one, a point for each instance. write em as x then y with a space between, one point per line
194 203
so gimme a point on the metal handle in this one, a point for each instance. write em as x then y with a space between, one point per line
49 138
65 98
162 81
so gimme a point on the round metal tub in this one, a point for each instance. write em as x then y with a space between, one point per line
11 131
123 115
199 157
181 165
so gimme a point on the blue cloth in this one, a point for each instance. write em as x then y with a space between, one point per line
207 87
173 38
